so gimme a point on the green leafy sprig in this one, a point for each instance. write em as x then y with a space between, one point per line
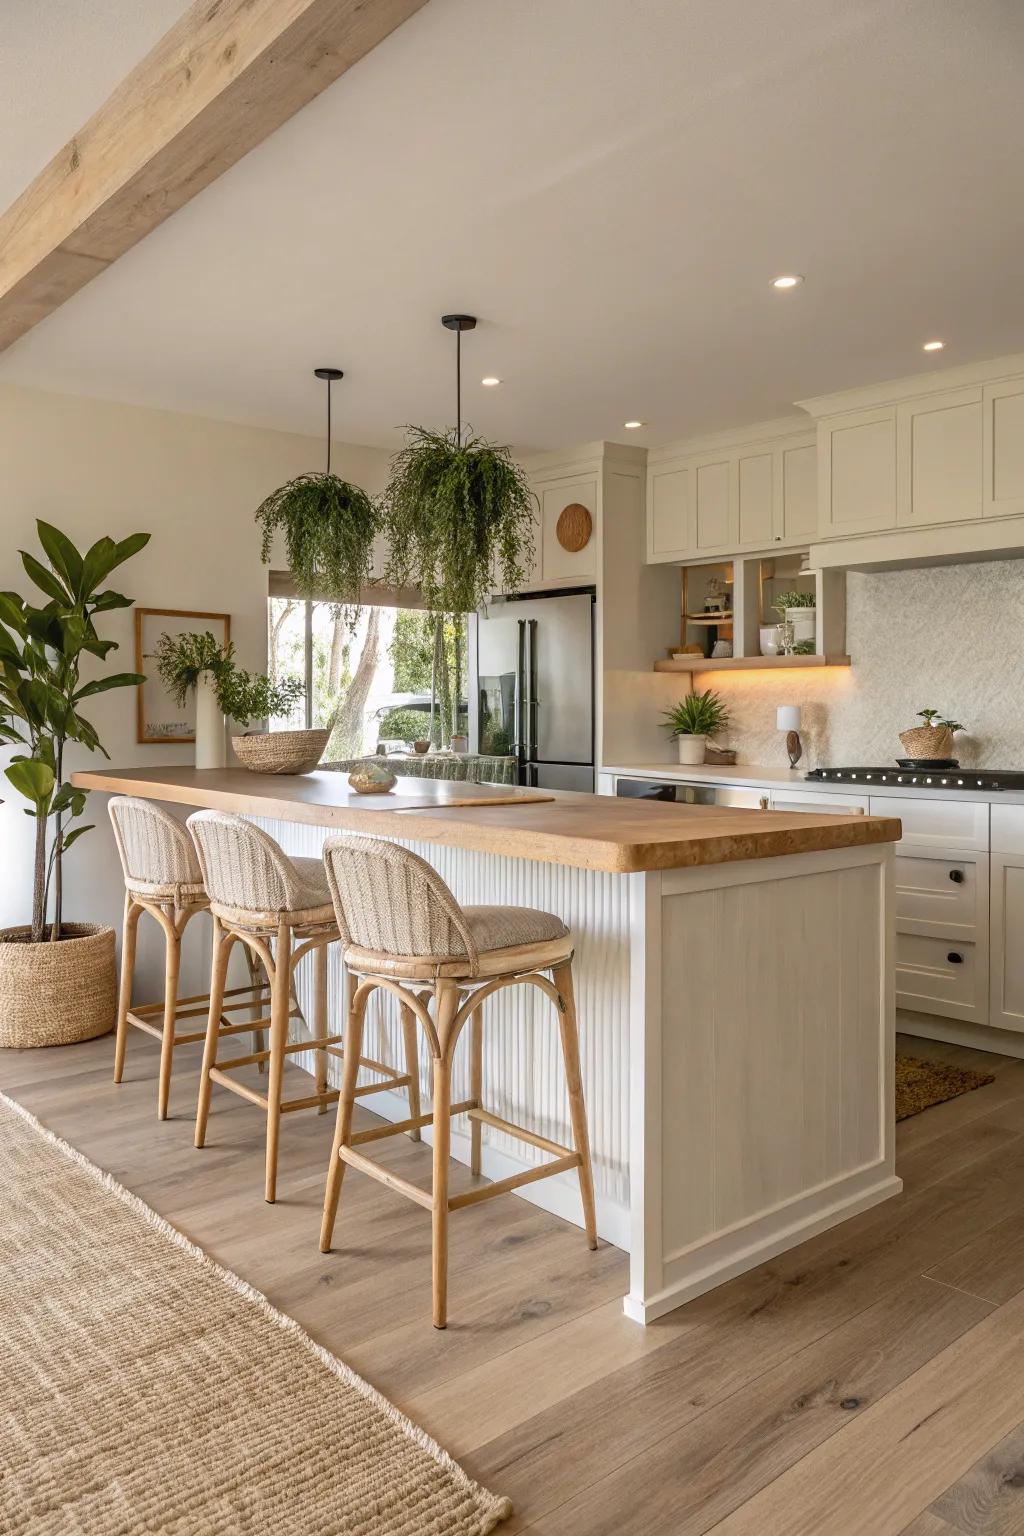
698 714
243 696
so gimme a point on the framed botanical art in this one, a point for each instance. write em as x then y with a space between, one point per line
158 718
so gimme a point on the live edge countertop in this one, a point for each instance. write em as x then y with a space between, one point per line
556 827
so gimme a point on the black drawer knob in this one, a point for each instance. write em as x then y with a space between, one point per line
957 876
954 958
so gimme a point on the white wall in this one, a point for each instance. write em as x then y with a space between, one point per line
95 468
949 638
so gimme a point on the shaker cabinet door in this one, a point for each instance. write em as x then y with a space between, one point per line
1006 1009
939 458
857 471
669 512
1004 449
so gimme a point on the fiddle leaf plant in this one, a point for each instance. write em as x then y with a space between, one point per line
459 517
42 649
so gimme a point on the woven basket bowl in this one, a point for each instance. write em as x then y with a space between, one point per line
55 994
927 741
281 751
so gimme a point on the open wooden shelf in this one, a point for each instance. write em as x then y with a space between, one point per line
747 663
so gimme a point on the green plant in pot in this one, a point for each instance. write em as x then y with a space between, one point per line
693 720
799 609
329 527
195 662
933 741
57 979
458 513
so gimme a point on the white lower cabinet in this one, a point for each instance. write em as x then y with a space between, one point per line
1007 983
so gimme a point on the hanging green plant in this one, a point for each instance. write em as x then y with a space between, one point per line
459 517
458 513
329 528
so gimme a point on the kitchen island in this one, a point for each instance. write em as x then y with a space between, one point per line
733 979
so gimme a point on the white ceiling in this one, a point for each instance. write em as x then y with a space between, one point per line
609 184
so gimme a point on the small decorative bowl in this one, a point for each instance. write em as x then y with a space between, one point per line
280 751
371 779
421 746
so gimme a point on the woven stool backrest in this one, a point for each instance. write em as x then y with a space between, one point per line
390 900
243 866
154 848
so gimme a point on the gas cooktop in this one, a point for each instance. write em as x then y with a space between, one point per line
923 778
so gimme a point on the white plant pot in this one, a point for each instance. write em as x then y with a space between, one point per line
691 749
804 623
768 636
211 737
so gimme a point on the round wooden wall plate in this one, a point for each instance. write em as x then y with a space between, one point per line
574 527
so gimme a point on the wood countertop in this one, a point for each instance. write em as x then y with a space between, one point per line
556 827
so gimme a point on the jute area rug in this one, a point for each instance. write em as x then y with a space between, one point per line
920 1084
145 1389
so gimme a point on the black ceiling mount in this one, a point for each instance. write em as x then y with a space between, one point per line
329 373
459 322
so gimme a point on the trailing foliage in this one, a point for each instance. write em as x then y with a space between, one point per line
329 527
459 519
41 652
243 696
699 714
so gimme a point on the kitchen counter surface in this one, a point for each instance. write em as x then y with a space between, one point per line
756 777
557 827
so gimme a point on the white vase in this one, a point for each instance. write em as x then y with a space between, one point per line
691 749
803 622
211 738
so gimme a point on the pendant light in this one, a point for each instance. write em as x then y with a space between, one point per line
458 324
331 376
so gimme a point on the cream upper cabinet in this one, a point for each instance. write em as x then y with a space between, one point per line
553 564
939 458
1003 439
857 472
744 493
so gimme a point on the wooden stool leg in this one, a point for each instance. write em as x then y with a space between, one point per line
412 1065
447 1005
129 934
280 1009
346 1102
562 976
320 1029
259 1036
172 968
476 1083
218 974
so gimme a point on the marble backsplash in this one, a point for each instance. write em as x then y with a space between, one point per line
948 637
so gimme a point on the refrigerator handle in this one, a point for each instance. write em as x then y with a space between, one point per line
533 702
519 703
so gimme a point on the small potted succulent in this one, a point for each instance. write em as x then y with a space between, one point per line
933 741
800 610
693 720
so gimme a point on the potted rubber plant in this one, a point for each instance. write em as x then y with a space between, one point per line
57 978
693 720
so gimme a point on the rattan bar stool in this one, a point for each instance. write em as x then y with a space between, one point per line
280 910
162 877
406 934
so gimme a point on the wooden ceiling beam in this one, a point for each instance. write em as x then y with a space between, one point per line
224 77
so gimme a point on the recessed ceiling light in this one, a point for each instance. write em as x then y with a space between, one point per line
631 426
933 346
490 382
789 280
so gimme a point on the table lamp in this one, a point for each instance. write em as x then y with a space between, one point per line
787 718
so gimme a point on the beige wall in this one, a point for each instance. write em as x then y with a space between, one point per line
949 638
96 468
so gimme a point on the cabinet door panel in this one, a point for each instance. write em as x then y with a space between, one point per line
756 489
566 564
944 976
857 460
1007 981
669 521
942 894
1004 449
714 505
799 492
939 458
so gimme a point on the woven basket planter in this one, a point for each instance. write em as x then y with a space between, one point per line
928 741
55 994
281 751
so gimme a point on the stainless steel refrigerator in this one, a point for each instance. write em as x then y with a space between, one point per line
532 687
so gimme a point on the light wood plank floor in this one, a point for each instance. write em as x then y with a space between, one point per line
869 1382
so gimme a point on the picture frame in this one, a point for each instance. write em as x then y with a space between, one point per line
158 719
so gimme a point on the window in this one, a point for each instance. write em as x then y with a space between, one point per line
395 676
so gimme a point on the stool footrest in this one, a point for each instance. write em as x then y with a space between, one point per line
541 1142
204 997
502 1186
385 1176
287 1050
379 1132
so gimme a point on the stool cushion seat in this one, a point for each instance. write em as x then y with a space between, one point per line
511 927
311 881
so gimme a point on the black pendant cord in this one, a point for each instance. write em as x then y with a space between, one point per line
330 376
458 389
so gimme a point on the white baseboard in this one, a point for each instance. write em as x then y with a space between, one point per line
978 1037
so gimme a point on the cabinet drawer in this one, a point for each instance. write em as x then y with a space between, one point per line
815 804
929 980
936 823
941 895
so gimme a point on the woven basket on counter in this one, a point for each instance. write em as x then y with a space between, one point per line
281 751
928 741
56 994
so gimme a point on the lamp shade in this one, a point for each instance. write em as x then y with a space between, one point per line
787 717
